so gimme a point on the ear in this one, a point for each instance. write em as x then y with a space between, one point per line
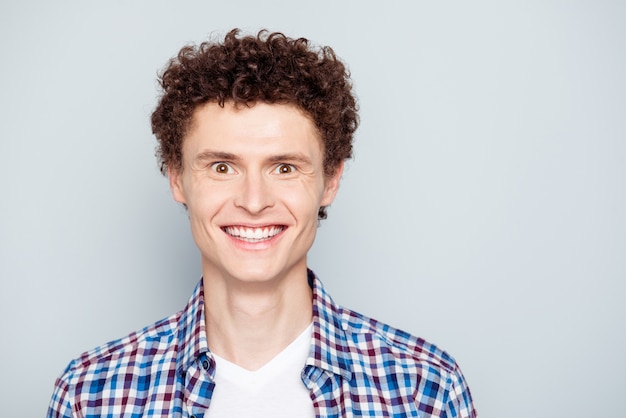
176 184
331 186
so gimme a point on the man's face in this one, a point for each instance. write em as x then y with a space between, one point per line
253 182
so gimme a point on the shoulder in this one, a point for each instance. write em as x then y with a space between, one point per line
118 372
372 338
123 375
378 361
135 350
370 345
386 357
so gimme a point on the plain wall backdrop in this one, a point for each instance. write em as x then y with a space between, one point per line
484 210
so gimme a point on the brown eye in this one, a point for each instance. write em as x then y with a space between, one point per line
221 168
285 169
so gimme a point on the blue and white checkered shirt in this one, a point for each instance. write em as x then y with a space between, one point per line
356 367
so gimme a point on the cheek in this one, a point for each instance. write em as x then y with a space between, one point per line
204 200
304 200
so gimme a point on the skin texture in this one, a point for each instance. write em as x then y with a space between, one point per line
248 170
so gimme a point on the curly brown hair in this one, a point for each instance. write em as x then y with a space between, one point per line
269 68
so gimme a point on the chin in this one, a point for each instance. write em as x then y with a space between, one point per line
261 273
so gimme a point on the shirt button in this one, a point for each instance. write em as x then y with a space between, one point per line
193 416
205 364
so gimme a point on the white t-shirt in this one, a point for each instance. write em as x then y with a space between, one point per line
273 391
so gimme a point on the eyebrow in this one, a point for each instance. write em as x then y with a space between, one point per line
227 156
215 155
295 157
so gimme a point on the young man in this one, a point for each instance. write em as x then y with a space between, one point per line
253 133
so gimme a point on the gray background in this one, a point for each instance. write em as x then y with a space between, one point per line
484 210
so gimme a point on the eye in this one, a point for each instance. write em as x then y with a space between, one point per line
222 168
284 169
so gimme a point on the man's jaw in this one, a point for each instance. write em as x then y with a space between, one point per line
253 234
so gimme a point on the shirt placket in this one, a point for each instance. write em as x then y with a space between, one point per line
199 387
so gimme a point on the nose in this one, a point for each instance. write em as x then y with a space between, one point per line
255 193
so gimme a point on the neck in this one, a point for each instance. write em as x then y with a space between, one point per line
250 323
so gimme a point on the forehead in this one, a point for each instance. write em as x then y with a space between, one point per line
232 128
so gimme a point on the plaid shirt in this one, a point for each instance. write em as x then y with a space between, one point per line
356 367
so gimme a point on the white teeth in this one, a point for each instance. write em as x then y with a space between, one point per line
252 234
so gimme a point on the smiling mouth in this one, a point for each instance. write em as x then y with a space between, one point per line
248 234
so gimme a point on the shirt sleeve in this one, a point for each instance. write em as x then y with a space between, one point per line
60 405
459 404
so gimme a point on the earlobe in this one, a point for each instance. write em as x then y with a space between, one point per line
176 186
331 186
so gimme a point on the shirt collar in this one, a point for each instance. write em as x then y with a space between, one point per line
329 348
192 333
